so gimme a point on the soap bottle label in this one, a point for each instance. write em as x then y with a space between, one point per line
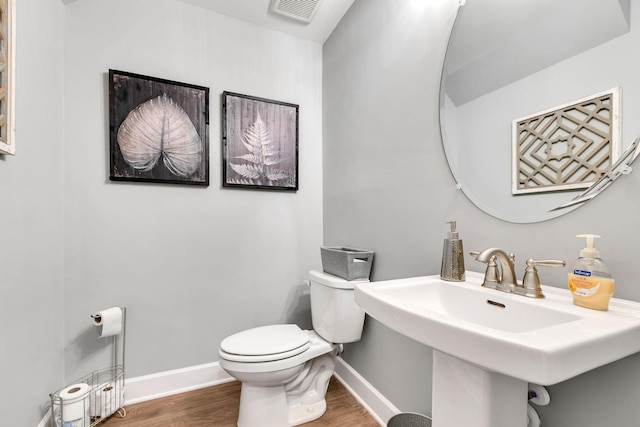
589 290
584 273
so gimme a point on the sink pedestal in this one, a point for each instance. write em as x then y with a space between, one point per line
466 395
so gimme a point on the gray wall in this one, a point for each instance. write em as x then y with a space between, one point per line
31 242
191 264
387 187
195 264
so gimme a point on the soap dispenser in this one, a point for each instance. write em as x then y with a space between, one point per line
590 279
452 256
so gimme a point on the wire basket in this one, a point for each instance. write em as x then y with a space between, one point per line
90 400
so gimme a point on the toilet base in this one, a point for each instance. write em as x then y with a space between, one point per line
301 414
298 401
265 406
269 407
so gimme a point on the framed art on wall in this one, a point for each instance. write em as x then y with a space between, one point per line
7 76
259 143
159 130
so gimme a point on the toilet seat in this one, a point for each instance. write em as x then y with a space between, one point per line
265 344
317 347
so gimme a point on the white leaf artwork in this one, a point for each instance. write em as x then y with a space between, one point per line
261 154
160 128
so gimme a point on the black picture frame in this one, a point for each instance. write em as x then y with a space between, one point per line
259 143
159 130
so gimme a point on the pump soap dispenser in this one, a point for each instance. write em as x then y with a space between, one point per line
590 280
452 256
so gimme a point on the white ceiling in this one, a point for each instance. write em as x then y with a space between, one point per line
328 14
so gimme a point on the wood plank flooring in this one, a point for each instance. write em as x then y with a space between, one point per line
218 406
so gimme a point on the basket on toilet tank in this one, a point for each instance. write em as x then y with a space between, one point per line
348 263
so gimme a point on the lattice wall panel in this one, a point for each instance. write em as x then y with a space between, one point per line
7 76
567 147
4 82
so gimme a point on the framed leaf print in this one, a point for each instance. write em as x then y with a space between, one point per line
259 143
159 130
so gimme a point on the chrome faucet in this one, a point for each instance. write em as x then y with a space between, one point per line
505 280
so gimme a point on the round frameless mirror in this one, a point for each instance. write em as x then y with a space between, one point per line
531 59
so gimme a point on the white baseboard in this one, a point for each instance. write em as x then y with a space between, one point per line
162 384
380 408
46 420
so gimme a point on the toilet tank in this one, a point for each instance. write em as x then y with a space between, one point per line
336 316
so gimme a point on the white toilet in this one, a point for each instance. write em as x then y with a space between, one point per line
285 370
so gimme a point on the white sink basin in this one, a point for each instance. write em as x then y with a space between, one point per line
543 341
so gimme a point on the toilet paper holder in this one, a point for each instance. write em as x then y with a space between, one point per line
104 395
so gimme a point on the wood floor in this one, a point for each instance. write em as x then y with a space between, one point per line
218 406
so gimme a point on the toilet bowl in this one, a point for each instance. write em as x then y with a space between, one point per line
284 386
284 370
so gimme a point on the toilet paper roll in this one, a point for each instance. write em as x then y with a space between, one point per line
96 401
75 405
107 399
109 321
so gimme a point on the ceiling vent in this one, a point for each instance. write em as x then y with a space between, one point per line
300 10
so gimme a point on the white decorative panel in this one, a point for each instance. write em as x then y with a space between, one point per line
566 147
7 76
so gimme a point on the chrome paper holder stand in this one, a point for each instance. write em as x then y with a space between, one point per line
106 394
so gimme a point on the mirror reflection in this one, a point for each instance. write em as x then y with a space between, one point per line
507 60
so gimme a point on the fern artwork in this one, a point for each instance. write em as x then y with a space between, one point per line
260 143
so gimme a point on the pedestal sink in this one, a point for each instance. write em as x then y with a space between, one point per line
488 344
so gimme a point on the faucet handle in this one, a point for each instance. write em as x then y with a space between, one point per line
531 281
546 263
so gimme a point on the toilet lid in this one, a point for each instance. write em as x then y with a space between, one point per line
265 343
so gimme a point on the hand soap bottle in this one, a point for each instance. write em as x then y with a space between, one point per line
590 280
452 256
